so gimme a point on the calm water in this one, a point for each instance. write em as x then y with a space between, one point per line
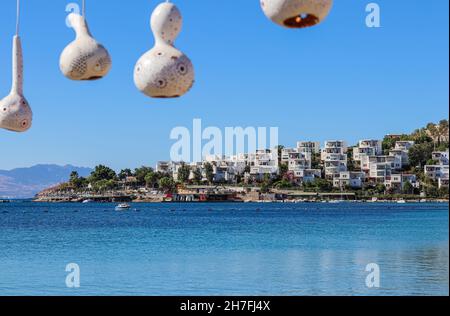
224 249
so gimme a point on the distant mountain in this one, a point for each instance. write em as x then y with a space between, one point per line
26 182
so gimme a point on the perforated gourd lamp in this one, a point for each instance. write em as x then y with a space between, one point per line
84 58
164 71
15 112
296 13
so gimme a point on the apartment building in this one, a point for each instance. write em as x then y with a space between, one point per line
334 147
164 167
308 147
263 162
367 148
438 173
442 157
411 178
334 158
396 182
404 145
382 167
295 159
401 151
349 179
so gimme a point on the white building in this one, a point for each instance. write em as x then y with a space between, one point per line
396 182
442 157
334 147
349 179
367 148
401 151
411 178
404 145
334 157
263 162
438 173
308 147
310 175
382 167
164 167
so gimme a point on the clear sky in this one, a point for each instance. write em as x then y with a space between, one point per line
338 80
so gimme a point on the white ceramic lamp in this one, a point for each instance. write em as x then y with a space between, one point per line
296 13
15 112
84 58
164 71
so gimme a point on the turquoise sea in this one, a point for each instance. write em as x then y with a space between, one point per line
224 249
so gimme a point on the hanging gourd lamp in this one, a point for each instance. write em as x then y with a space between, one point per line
296 13
15 112
84 58
164 71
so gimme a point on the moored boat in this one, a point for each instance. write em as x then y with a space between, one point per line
123 207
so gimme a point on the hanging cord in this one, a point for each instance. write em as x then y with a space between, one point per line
18 18
83 8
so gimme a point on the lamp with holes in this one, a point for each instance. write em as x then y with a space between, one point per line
84 58
296 13
15 113
164 71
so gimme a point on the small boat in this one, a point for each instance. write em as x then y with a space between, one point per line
401 201
123 207
336 201
87 201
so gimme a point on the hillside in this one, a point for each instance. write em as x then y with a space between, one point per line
26 182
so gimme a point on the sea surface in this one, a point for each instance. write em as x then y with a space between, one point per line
224 249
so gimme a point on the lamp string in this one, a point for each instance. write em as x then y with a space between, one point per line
18 18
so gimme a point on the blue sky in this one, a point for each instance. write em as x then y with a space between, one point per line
338 80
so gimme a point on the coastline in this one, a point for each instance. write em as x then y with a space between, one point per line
292 201
226 194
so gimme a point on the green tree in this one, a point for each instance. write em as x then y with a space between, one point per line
315 161
284 168
265 188
104 185
167 184
350 161
432 191
408 188
433 131
420 153
442 131
322 185
76 182
150 179
198 176
209 172
443 192
140 174
183 173
102 173
380 188
283 184
125 173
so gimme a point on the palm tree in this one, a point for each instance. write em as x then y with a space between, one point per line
433 131
442 130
